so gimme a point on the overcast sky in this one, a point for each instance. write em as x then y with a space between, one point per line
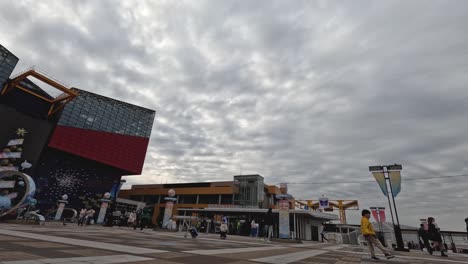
297 91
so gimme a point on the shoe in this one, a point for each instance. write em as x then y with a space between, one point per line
389 256
375 258
443 254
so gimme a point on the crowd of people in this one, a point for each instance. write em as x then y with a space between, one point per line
140 218
261 227
86 217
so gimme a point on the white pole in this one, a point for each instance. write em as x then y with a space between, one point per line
295 226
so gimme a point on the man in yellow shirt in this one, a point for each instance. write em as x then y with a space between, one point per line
368 232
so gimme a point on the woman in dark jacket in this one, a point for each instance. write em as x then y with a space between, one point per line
268 221
434 235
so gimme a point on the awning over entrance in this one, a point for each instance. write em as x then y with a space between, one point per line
313 214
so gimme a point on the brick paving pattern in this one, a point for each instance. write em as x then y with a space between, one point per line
22 244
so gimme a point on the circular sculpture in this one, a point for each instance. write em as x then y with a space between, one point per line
13 195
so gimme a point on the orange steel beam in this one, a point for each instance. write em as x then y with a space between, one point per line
44 79
33 93
7 88
52 111
341 205
62 100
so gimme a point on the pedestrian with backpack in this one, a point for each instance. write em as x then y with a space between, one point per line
435 236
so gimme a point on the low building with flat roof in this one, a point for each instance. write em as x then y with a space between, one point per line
243 199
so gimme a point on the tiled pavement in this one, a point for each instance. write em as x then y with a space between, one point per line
22 244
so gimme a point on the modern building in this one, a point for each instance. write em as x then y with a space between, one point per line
244 198
79 143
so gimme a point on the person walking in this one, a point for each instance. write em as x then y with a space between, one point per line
223 230
144 219
253 228
122 218
268 224
82 217
131 219
424 239
322 234
90 216
434 235
466 222
137 222
224 219
369 234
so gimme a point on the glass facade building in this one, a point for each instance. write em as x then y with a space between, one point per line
8 62
251 190
96 112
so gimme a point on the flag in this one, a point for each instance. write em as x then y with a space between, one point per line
395 179
382 215
380 178
375 214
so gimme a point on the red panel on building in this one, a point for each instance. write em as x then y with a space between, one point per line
120 151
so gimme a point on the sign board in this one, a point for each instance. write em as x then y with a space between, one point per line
58 215
284 188
7 184
283 219
323 203
102 211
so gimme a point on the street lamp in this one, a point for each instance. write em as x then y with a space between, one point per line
391 173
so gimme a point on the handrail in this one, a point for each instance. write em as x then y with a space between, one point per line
42 72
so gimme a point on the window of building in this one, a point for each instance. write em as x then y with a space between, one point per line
187 199
226 199
208 199
151 199
138 198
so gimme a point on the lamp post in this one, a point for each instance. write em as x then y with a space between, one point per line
392 175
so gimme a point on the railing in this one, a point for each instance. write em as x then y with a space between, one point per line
42 72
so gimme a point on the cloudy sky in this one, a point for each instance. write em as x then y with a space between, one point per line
297 91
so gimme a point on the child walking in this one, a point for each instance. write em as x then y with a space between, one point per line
368 232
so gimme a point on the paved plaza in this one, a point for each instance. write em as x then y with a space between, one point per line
53 243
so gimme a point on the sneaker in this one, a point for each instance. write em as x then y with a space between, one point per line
389 256
443 254
375 258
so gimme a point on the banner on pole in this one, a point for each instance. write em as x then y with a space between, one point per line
395 179
375 214
382 215
379 214
380 178
283 219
